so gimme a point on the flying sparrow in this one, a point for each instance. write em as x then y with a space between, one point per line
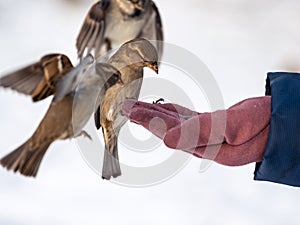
75 95
110 23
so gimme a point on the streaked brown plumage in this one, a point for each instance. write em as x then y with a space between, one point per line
130 60
38 79
66 115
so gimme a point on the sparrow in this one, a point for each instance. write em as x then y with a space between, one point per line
130 60
75 95
110 23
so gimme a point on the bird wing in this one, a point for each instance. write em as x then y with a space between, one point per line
91 35
106 85
153 30
97 118
68 83
38 79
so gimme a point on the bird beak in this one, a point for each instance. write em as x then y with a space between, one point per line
153 66
120 82
138 7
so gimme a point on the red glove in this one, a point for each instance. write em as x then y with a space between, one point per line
232 137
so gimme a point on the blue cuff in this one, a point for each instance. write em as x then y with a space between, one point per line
281 161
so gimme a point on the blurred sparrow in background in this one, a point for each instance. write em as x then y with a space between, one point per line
110 23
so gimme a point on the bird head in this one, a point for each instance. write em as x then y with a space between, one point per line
132 8
138 4
137 53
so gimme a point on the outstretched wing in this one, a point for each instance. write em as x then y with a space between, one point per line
153 30
91 34
38 79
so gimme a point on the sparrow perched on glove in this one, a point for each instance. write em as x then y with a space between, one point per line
130 60
76 92
110 23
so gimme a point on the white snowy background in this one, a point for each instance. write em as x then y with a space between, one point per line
239 40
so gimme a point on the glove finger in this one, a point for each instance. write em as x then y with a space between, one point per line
156 122
173 110
184 112
202 130
131 104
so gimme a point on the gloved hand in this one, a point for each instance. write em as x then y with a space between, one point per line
232 137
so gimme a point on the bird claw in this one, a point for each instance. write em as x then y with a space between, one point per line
85 134
158 101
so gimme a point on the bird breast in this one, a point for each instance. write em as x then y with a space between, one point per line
120 28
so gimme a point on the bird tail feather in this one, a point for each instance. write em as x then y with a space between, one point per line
24 160
111 165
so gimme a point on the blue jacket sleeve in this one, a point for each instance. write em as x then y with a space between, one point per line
281 161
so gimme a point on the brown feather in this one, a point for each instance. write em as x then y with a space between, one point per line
92 29
111 166
24 80
153 30
97 118
24 160
40 78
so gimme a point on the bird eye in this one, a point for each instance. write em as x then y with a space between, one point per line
116 76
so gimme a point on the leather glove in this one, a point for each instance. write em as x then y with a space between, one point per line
232 137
